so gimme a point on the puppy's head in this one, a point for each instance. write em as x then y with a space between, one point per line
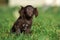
28 11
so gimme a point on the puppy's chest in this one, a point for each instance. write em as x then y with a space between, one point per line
26 23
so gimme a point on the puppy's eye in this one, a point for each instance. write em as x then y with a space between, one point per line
29 8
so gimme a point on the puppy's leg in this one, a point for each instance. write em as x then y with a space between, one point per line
27 31
18 30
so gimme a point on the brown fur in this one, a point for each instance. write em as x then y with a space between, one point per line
24 22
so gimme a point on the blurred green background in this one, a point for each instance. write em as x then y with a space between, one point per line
45 27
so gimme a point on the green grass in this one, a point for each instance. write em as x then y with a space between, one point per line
45 27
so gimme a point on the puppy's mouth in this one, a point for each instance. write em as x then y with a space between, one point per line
28 17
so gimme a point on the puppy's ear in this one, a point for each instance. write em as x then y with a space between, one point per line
21 11
35 12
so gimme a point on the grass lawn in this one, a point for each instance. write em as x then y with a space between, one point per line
45 27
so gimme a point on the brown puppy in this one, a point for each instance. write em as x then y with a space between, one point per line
24 22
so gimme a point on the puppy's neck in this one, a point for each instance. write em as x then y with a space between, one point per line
28 18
